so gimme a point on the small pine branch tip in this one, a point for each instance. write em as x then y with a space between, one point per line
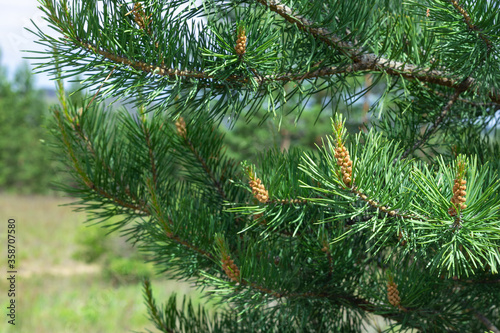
228 265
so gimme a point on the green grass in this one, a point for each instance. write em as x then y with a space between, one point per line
54 292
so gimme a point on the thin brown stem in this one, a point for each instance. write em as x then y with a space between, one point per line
216 182
435 125
486 322
470 25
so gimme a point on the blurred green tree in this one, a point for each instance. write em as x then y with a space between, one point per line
25 165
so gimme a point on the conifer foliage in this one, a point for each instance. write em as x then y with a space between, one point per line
401 220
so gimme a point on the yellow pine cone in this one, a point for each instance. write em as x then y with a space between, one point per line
258 190
345 163
241 42
180 124
458 198
393 294
230 268
140 17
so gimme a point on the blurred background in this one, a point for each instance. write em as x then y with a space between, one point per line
72 277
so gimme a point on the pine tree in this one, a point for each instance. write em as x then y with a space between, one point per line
401 220
24 165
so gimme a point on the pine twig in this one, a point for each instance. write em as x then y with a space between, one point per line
153 309
470 25
216 182
361 62
434 127
486 322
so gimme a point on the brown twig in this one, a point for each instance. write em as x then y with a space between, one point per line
486 322
216 182
435 125
470 25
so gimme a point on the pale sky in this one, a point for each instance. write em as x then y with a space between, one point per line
14 16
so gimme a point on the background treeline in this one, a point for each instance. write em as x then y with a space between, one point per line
24 164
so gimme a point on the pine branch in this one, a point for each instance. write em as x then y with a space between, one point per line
372 62
361 62
83 175
210 173
341 299
153 309
142 66
494 105
141 209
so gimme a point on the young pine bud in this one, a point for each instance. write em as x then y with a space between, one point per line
180 124
341 153
241 42
258 190
140 17
393 294
459 190
345 163
230 268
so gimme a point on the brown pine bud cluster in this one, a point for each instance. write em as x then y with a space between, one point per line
393 294
140 17
258 190
241 42
180 124
458 198
345 163
459 187
230 268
